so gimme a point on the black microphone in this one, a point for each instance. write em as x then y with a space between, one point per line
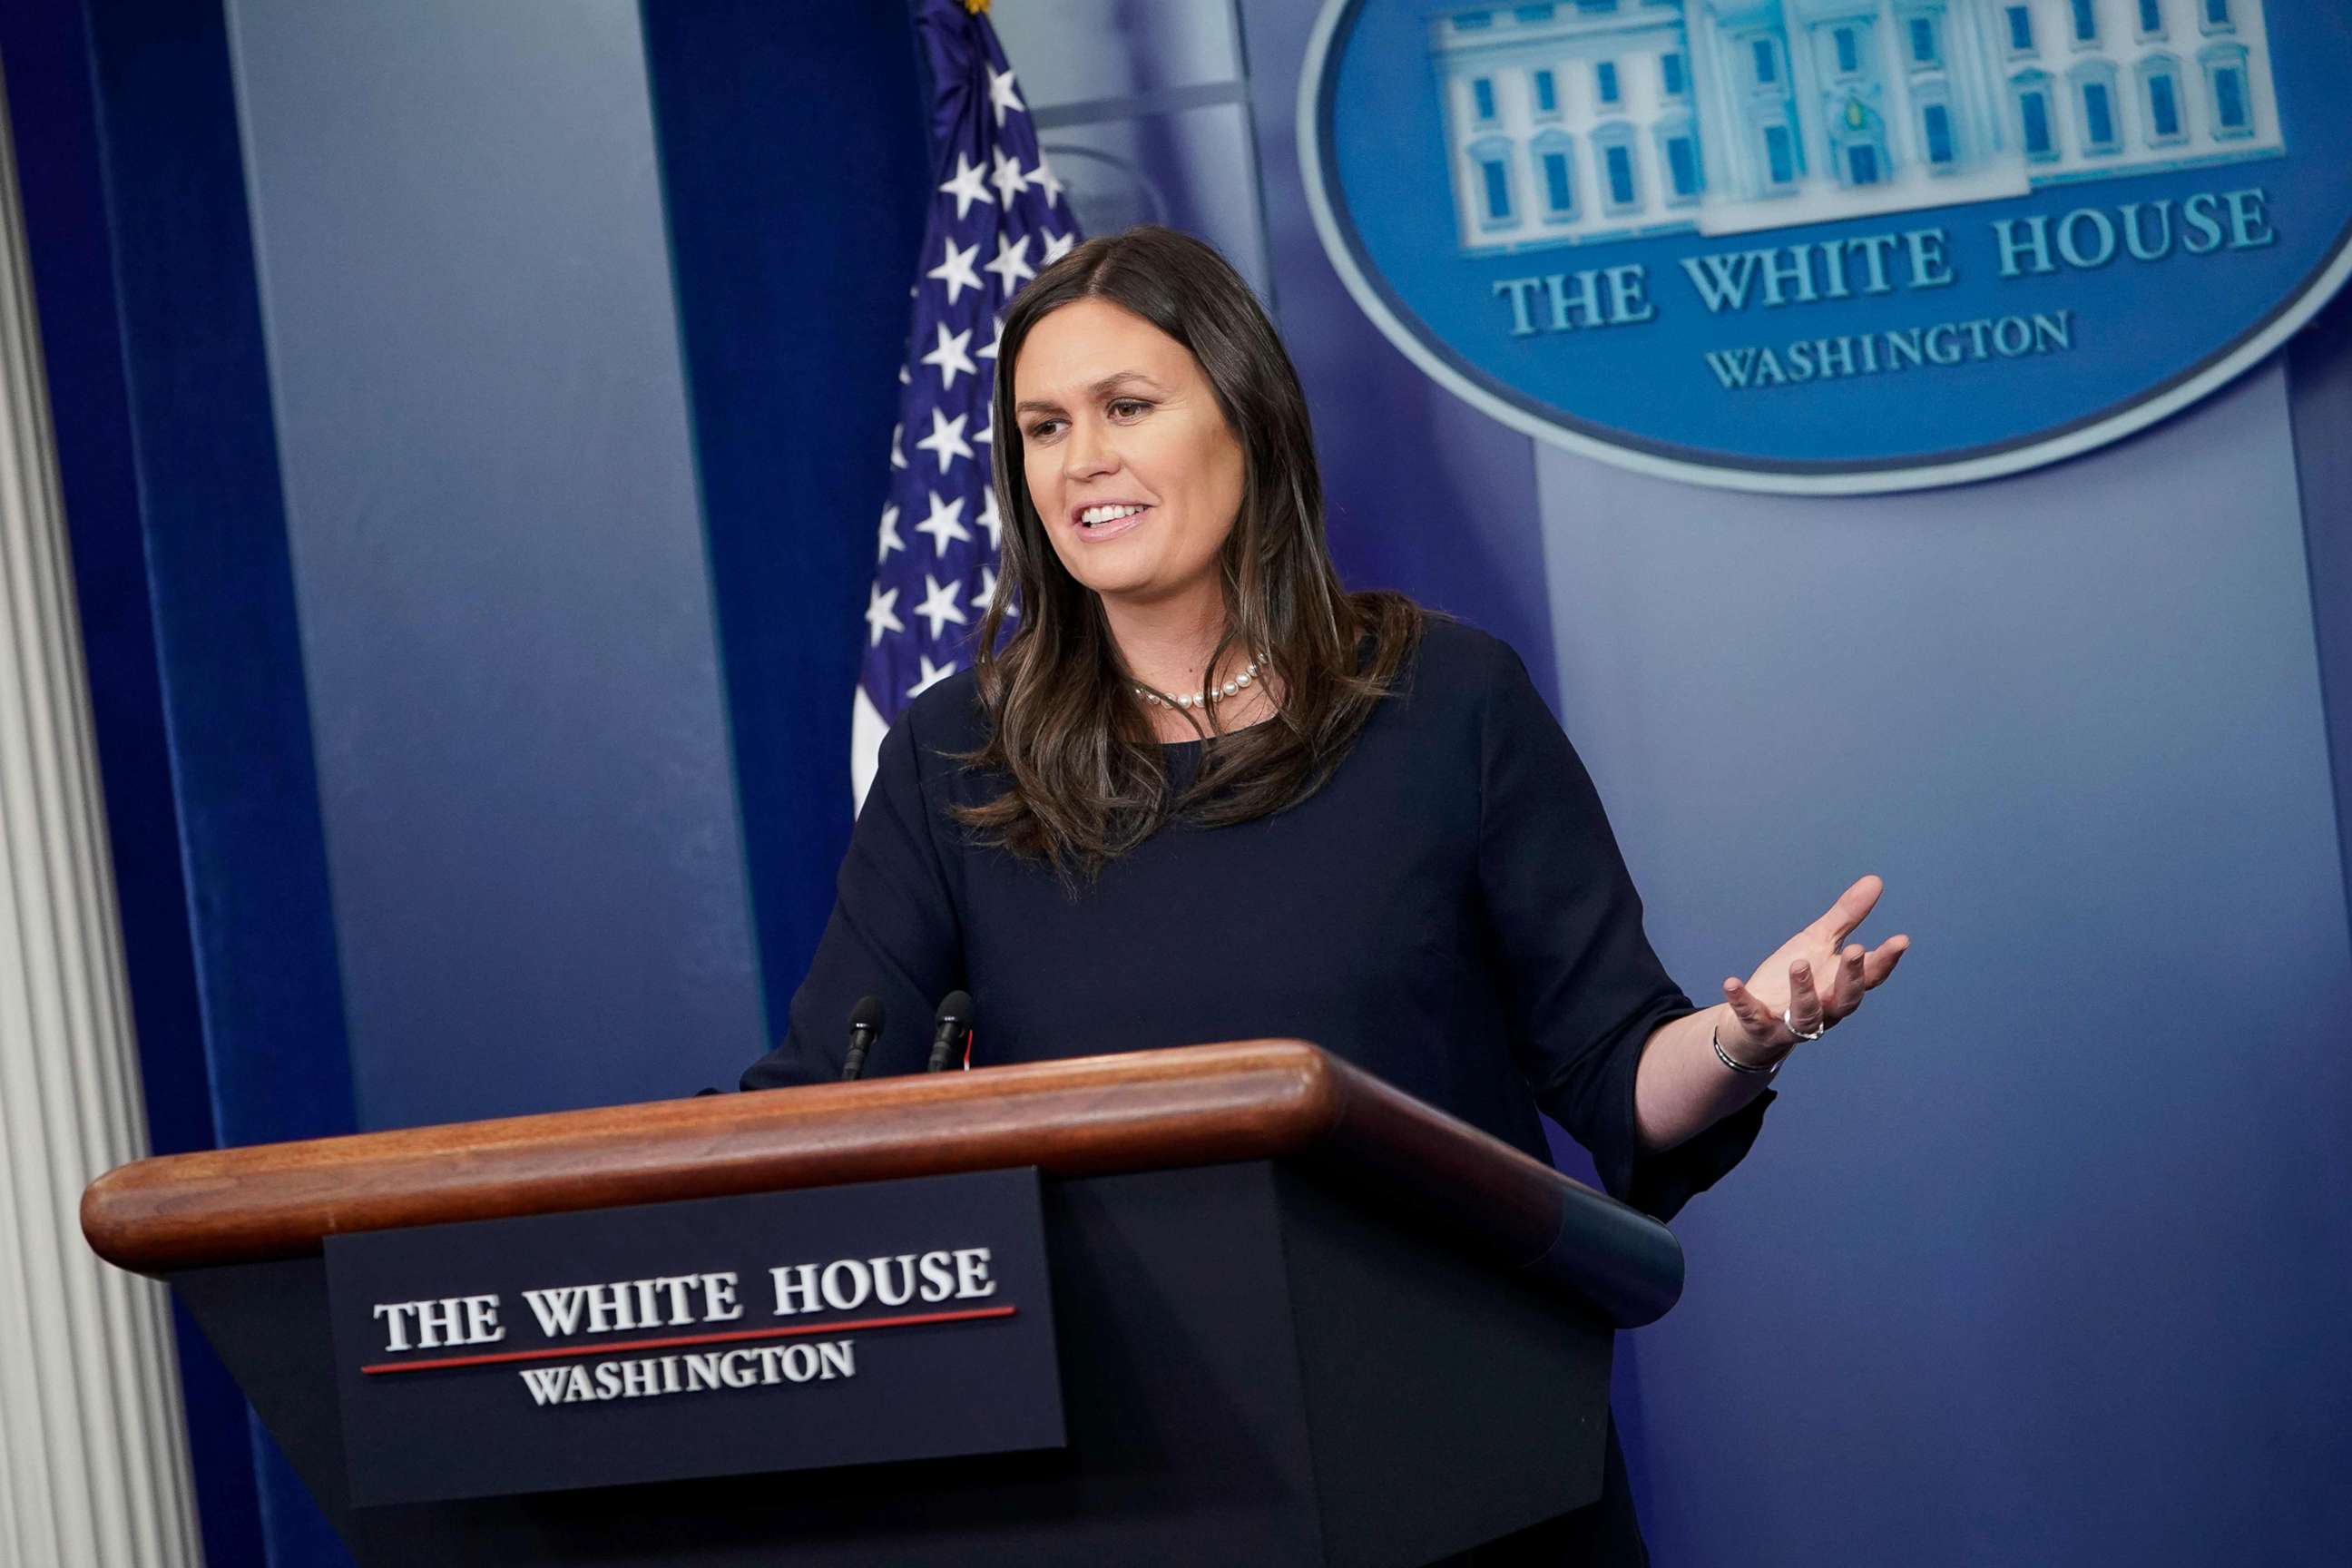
948 1025
864 1028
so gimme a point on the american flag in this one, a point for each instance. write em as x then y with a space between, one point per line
997 218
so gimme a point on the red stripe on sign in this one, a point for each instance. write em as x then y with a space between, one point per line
553 1351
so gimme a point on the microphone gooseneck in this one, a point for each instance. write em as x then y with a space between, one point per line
864 1028
948 1025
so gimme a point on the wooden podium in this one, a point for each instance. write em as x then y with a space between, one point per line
1302 1317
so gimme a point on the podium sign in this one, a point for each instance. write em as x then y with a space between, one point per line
894 1319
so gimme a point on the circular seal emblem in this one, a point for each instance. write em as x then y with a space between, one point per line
1832 246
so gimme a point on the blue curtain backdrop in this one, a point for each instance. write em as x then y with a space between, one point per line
404 630
125 119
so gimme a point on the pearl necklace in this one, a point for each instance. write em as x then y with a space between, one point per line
1198 699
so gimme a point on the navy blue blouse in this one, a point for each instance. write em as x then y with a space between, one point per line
1449 912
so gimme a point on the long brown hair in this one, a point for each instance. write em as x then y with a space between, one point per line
1088 779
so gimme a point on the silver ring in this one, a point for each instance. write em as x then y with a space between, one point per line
1800 1034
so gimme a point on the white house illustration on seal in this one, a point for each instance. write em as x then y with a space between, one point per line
1581 120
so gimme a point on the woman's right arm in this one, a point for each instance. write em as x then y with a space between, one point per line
894 933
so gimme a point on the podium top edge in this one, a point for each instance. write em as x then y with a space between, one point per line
1081 1116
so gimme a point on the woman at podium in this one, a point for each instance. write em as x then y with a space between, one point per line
1194 790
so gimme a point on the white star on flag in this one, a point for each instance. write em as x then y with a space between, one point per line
1008 179
1057 246
938 605
946 522
897 449
1041 178
987 591
956 271
950 356
879 615
995 343
1011 263
991 521
890 539
946 440
931 676
1001 95
970 185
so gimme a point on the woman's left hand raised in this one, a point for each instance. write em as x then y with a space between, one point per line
1816 977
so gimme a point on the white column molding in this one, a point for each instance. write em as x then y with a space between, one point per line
93 1451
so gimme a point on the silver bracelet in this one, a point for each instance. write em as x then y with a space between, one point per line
1734 1063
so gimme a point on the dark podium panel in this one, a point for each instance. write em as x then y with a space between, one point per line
1302 1318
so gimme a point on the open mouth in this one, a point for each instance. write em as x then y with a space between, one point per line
1108 519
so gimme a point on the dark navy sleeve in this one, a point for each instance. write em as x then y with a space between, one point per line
1586 990
894 933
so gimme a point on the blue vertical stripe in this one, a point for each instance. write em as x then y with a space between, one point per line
2036 110
2230 94
743 91
1498 188
152 339
1683 160
1621 175
2097 115
1940 133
